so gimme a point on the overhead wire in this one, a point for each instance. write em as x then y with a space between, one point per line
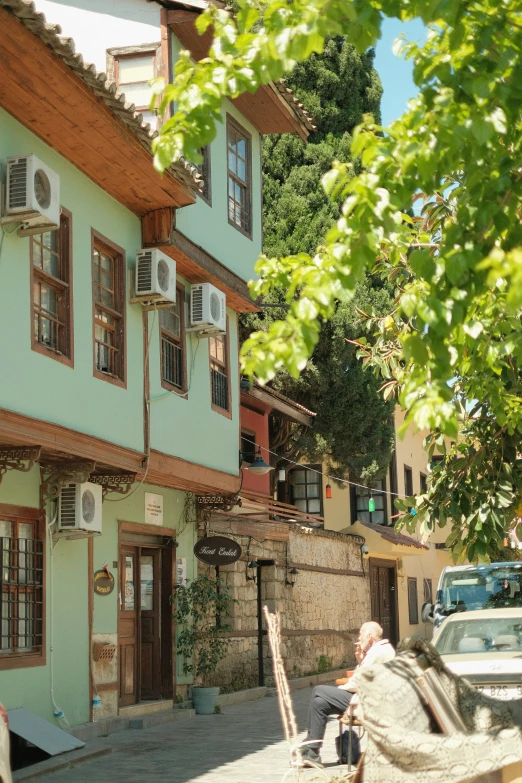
324 475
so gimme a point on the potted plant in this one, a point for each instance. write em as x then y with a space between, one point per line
202 608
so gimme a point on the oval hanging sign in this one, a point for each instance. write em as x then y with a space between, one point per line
103 582
217 550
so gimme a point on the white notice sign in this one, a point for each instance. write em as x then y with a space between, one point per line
181 578
153 509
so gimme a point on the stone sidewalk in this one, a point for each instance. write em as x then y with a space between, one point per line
243 745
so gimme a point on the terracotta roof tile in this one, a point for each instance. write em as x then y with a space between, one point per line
389 534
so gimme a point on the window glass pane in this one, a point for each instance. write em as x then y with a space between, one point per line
6 533
241 148
136 69
299 491
129 582
312 491
241 170
314 506
301 505
139 94
150 117
232 161
170 320
378 517
25 551
48 299
299 476
146 583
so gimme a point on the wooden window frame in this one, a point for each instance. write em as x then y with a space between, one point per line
23 514
205 169
233 125
423 482
63 285
118 254
406 470
182 341
248 435
383 492
413 609
224 412
115 54
316 472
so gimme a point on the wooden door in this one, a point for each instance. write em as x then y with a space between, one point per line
128 625
383 598
150 642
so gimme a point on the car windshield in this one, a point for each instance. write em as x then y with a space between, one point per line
498 634
495 587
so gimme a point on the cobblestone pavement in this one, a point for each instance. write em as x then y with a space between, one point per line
243 745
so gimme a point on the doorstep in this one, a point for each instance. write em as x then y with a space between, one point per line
147 720
145 708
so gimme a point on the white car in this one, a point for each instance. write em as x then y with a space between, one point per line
5 765
485 647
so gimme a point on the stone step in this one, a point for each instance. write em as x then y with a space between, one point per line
160 718
145 708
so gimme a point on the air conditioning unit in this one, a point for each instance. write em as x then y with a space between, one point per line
155 275
32 193
80 508
208 308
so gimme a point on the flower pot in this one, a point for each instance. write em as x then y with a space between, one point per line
204 700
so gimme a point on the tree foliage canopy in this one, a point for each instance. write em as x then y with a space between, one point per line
459 284
353 431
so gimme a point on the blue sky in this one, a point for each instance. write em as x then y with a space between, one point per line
396 72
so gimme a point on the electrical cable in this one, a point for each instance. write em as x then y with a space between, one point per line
58 712
324 475
147 405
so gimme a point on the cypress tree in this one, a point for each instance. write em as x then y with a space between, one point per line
353 432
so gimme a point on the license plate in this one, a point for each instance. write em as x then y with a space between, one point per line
502 692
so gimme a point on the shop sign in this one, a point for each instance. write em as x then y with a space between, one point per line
103 582
153 509
217 550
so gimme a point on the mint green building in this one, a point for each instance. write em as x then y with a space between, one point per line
119 400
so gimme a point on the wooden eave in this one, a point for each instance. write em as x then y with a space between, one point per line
269 402
62 444
70 107
197 266
266 109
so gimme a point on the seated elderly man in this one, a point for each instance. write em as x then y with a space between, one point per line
328 700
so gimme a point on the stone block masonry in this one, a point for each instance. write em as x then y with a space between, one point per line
321 614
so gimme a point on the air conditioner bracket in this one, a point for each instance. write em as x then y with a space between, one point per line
55 475
151 302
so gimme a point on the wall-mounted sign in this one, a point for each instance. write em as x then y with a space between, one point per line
181 570
153 509
103 582
221 502
217 550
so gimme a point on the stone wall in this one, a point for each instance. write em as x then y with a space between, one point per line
321 614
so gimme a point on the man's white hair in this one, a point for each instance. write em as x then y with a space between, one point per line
373 629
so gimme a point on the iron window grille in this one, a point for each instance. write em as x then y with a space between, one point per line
22 566
51 289
219 371
172 343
